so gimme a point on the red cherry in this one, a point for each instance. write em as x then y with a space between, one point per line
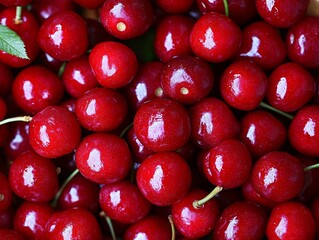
33 177
302 133
3 109
6 218
243 85
126 19
9 3
63 36
30 219
89 4
187 79
10 234
290 87
109 62
162 125
290 220
36 88
54 132
101 109
103 158
241 220
69 104
71 224
6 195
163 178
215 37
212 122
278 176
171 6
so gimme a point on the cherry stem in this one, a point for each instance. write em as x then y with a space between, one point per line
226 8
58 194
170 219
267 106
311 167
125 130
200 203
1 197
16 119
61 69
109 223
18 18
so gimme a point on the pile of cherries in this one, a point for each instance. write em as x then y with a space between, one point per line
163 119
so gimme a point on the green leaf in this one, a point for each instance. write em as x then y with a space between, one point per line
10 42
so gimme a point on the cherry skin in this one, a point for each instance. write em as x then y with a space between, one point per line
30 219
109 62
301 42
6 195
172 37
278 176
6 217
162 125
212 121
63 36
101 109
33 177
243 85
72 224
302 133
215 37
54 132
126 19
78 77
170 6
187 79
10 234
6 79
163 178
241 220
262 132
263 44
290 87
36 88
291 220
282 14
117 199
195 222
89 4
9 3
103 158
3 108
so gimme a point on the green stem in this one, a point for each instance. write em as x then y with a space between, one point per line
61 69
226 8
109 223
125 130
18 17
311 167
267 106
16 119
201 202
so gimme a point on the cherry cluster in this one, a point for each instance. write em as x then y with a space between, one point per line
140 119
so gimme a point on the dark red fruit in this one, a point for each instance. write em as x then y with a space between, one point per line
89 3
171 6
10 234
6 195
6 74
9 3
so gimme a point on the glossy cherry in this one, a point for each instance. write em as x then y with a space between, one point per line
291 220
278 176
54 132
33 177
163 178
101 109
6 195
162 125
103 158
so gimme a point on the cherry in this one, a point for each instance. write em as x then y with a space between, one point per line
9 3
101 109
172 37
126 19
69 104
71 224
193 221
162 125
6 79
54 132
243 85
117 199
63 36
103 158
3 109
282 14
78 77
262 132
89 4
30 219
152 227
278 176
241 220
10 234
212 121
33 177
6 217
290 87
263 44
215 37
163 178
187 79
6 195
302 132
290 220
109 62
301 42
170 6
36 88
